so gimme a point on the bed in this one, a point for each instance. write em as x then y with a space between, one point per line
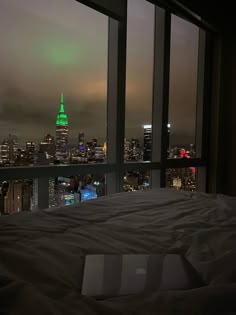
42 253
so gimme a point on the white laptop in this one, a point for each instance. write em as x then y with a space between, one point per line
115 275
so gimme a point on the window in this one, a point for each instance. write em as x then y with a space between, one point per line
137 180
182 178
16 196
53 83
183 91
81 94
186 178
139 86
67 190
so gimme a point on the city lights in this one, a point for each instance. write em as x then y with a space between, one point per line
57 150
147 126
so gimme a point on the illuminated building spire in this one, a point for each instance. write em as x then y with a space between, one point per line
62 119
61 132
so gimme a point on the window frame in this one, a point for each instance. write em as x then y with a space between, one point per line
116 100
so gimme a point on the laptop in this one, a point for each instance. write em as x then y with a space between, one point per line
117 275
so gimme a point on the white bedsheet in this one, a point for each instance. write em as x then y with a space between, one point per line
41 253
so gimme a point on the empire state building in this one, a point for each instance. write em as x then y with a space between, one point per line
61 132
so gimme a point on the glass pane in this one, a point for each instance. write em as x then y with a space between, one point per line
182 178
137 180
183 88
64 191
139 86
53 83
16 196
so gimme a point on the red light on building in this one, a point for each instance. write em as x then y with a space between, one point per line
182 153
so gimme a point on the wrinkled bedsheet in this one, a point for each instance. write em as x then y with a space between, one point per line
42 253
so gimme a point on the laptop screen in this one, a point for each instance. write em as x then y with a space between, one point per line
112 275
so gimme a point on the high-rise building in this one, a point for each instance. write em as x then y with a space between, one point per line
27 197
18 197
127 149
62 132
94 142
21 158
3 191
42 158
52 194
30 152
90 150
81 139
9 149
13 146
135 153
99 155
48 146
147 143
4 153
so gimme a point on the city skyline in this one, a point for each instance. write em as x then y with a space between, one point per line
62 121
54 47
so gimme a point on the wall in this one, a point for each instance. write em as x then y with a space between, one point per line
226 181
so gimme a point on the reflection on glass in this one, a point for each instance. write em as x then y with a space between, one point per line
137 180
53 83
183 88
16 196
140 54
182 178
64 191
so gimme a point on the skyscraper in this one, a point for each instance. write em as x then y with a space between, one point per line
30 152
61 132
135 153
99 155
4 153
127 149
9 149
81 139
147 143
18 197
48 146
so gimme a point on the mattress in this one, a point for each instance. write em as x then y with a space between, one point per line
42 253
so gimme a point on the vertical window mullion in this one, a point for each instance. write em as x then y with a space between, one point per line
158 84
116 103
111 178
165 108
112 90
207 117
200 93
121 99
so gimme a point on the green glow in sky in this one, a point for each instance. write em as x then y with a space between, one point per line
61 54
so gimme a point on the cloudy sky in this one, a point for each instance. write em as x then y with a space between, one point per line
54 46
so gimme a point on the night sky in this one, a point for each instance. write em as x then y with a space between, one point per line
54 46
